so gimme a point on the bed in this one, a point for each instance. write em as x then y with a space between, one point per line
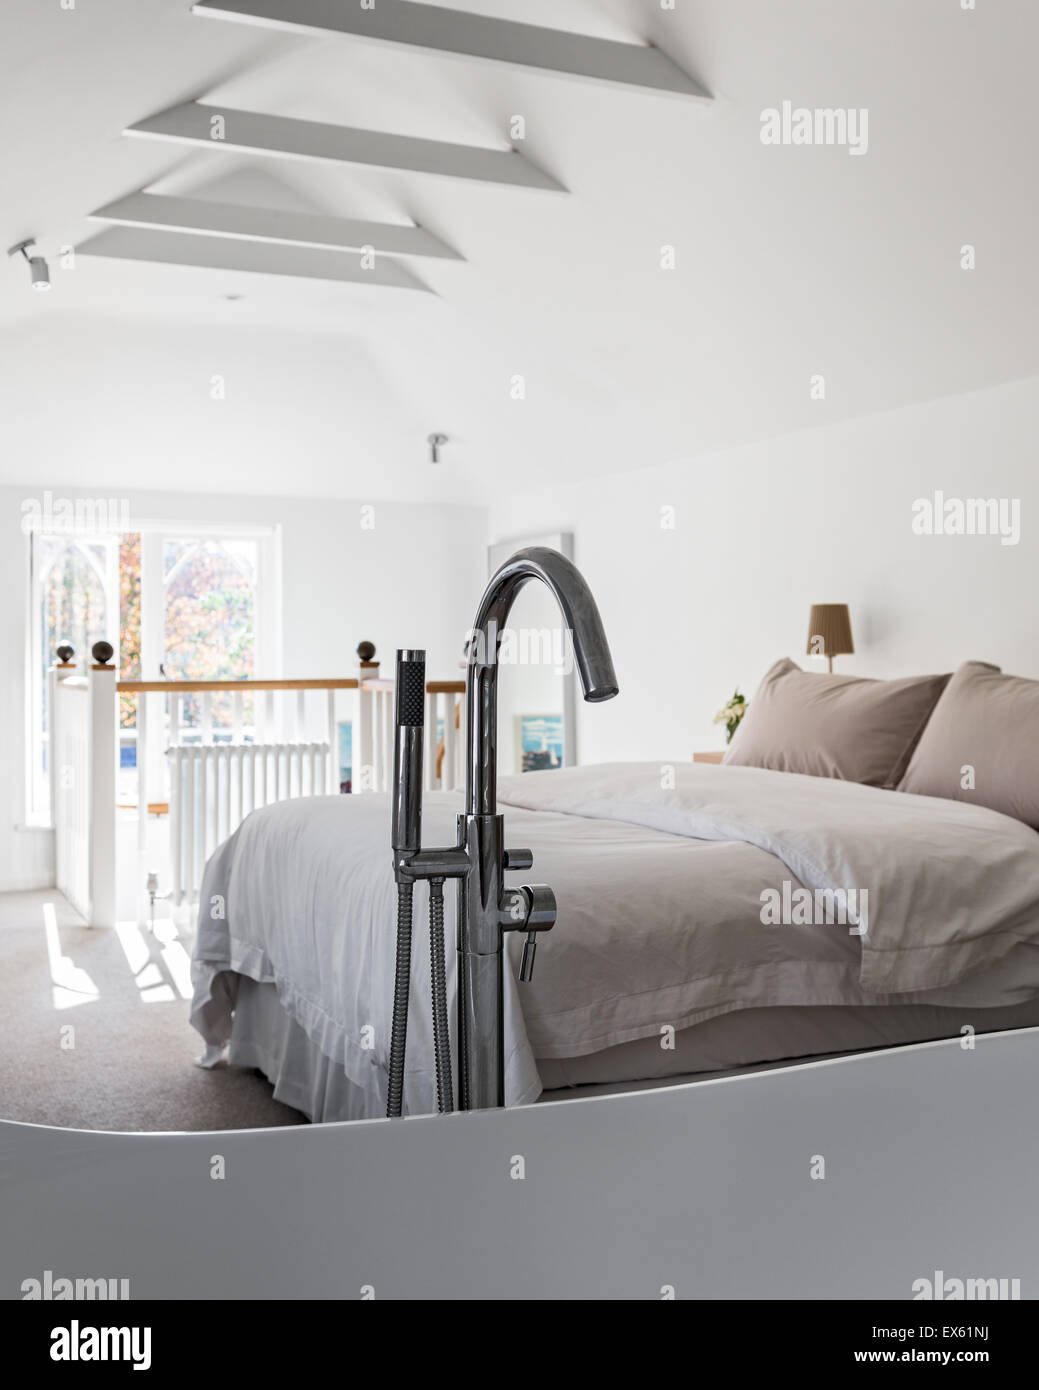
910 918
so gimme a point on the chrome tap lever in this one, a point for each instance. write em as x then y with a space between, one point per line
532 909
518 859
526 972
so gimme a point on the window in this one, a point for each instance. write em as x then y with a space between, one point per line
72 588
187 602
210 619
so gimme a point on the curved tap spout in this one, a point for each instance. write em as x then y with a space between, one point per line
591 649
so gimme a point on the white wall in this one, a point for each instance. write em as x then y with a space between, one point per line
225 404
763 532
413 580
760 533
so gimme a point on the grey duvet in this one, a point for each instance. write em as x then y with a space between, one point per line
684 893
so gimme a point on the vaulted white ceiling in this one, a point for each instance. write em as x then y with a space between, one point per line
788 261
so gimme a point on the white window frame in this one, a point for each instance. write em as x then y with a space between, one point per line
267 635
37 786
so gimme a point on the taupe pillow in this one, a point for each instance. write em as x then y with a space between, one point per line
984 733
847 727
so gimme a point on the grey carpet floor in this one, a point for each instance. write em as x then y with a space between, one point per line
128 1061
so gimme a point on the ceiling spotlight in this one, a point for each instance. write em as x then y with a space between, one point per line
436 442
38 269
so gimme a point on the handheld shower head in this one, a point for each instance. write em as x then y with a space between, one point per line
410 690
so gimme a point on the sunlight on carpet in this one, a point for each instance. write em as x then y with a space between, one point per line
94 1030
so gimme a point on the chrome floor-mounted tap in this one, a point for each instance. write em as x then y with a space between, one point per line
486 907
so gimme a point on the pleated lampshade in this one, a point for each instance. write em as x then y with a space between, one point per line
829 631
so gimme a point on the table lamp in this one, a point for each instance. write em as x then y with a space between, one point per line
829 631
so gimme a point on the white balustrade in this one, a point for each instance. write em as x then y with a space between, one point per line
199 760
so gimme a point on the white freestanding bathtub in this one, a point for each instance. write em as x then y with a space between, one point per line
708 1190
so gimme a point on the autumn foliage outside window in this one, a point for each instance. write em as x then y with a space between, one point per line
208 609
211 618
129 623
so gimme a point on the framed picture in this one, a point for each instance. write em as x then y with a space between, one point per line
539 741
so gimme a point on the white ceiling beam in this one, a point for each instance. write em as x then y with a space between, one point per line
223 128
438 30
200 216
255 257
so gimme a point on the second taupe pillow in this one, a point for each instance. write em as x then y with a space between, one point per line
847 727
982 744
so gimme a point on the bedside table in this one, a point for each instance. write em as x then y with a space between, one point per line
709 757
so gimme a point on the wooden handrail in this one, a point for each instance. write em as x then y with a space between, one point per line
347 683
432 687
195 687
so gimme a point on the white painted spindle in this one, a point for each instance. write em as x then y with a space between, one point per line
431 741
449 777
332 735
104 757
387 740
